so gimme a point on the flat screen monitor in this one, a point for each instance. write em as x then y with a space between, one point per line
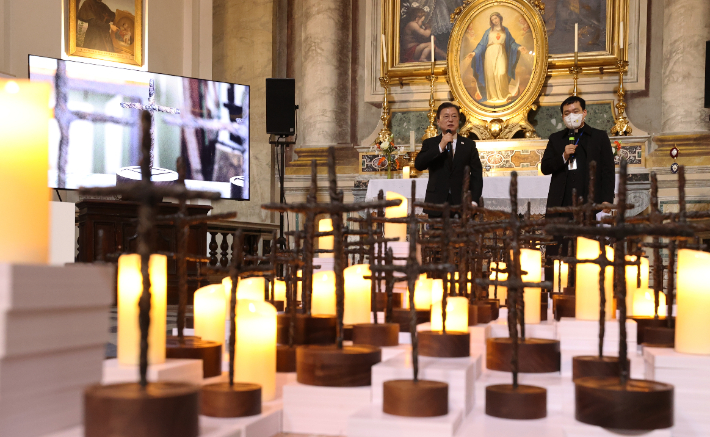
95 135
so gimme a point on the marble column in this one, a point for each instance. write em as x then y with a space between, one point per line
686 28
325 85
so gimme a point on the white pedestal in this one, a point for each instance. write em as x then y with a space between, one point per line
546 329
321 410
266 424
326 264
579 429
389 352
176 370
583 335
480 333
372 422
459 373
53 334
282 379
689 376
61 233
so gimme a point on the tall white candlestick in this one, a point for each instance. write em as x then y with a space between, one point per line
576 37
621 35
411 141
384 49
432 48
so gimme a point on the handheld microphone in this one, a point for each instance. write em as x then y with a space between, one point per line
571 141
448 145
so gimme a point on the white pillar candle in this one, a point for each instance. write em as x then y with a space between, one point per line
560 276
531 262
432 48
587 283
422 294
210 309
384 49
644 303
24 163
456 315
357 295
437 290
130 288
405 172
502 289
255 351
326 243
692 323
279 290
411 141
251 288
576 37
396 230
621 35
323 297
632 281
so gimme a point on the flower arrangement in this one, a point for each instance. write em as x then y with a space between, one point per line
389 153
617 148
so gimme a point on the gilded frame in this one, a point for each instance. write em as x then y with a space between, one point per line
486 120
617 11
125 53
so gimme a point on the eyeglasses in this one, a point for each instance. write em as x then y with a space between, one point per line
450 117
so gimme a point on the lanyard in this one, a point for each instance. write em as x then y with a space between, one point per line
578 138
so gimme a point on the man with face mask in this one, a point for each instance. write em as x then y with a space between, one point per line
569 153
567 159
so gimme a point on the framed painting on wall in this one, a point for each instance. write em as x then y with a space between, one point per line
110 30
408 26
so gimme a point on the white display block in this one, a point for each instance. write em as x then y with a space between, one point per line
309 409
459 373
389 352
480 334
546 329
583 335
61 233
173 369
266 424
282 379
583 430
326 264
372 422
53 334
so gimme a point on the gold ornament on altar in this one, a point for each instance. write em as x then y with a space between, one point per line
385 132
431 130
622 126
497 65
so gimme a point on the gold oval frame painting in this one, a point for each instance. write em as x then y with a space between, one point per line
497 90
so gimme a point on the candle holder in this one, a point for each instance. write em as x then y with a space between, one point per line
431 130
385 132
575 71
622 126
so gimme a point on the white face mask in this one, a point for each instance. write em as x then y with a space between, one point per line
574 121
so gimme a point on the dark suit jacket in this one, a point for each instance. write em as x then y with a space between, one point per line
595 146
446 176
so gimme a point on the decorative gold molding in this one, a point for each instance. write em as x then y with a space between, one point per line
347 160
503 122
603 62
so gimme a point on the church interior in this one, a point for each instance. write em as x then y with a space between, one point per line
253 188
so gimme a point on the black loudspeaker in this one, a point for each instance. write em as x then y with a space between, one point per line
280 106
707 74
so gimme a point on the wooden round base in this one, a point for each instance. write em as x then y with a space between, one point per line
472 315
238 400
161 409
495 308
405 397
380 334
592 365
535 355
309 329
285 359
329 366
659 337
645 322
485 313
449 345
402 317
636 405
523 402
563 306
210 352
381 300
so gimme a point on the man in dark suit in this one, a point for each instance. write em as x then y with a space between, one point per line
446 156
567 157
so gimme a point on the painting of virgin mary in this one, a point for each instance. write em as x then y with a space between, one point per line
494 61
